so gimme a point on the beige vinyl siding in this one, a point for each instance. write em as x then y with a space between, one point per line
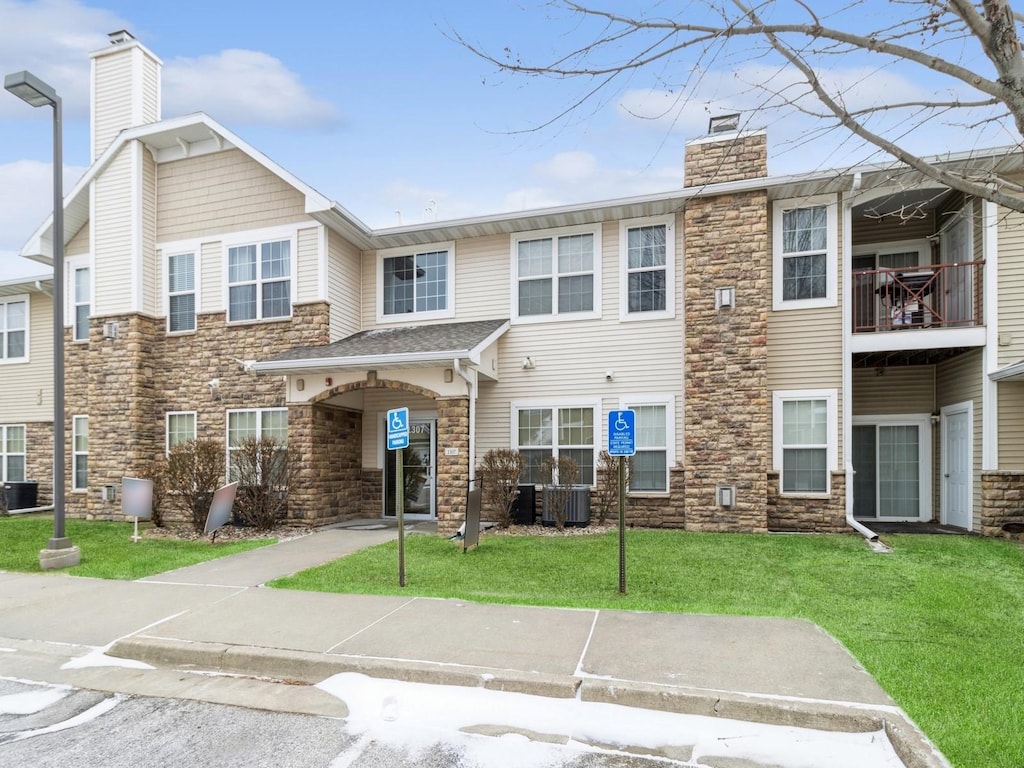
151 268
112 112
308 260
893 390
222 192
1011 425
27 391
343 285
483 288
79 245
211 271
1011 287
957 381
114 232
892 229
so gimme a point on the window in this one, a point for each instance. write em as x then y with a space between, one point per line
12 453
82 298
556 273
257 423
653 452
181 427
543 432
259 281
804 440
181 292
80 453
648 257
14 329
805 253
417 283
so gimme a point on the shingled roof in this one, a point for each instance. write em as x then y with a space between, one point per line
403 345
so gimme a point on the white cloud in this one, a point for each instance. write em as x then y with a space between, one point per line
26 199
242 86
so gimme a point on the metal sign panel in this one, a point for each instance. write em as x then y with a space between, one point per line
398 429
622 433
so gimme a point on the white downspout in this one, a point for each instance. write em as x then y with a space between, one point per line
847 357
471 391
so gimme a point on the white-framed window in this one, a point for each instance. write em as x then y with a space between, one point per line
416 281
653 435
80 453
12 453
181 427
545 430
181 292
14 329
804 440
805 247
259 280
257 423
81 298
647 255
556 274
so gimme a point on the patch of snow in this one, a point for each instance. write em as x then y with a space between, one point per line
418 715
30 702
98 657
73 722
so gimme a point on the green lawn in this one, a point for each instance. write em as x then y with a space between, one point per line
108 551
939 621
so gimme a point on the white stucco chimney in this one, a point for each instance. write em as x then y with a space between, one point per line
125 88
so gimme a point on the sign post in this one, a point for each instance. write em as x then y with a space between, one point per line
398 440
622 443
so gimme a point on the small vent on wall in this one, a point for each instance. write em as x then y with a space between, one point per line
110 330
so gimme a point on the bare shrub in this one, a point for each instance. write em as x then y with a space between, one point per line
263 472
560 475
194 471
500 471
607 496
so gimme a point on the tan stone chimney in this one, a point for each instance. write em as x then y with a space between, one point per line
725 154
125 89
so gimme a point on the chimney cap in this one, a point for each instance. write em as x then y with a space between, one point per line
724 124
120 37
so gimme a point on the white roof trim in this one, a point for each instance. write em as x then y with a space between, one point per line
1012 371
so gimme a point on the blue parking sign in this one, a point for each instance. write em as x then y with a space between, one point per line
398 429
622 433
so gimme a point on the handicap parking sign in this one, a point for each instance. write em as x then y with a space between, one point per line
622 433
398 429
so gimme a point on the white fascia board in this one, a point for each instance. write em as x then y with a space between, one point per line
366 361
1012 371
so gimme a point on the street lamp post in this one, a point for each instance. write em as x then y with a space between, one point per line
59 552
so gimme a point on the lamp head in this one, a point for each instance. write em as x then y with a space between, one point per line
31 89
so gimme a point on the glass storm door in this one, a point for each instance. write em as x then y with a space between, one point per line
418 472
888 463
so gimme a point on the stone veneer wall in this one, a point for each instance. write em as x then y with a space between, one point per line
39 459
651 511
127 385
325 444
732 158
452 465
1002 500
791 513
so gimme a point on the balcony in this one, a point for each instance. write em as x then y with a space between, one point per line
941 296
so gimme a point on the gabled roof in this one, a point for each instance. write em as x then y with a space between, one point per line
404 346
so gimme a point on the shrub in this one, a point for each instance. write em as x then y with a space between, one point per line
500 471
559 477
263 473
194 471
607 496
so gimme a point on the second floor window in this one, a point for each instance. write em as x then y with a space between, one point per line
13 330
555 274
82 301
181 292
259 281
415 283
805 254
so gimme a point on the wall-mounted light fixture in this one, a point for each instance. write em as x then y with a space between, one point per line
214 385
449 375
300 384
936 418
725 495
528 364
725 297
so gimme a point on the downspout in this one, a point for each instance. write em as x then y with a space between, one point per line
471 391
862 529
42 290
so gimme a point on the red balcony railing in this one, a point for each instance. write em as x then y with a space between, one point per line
937 296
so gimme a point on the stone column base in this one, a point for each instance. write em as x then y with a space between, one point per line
52 559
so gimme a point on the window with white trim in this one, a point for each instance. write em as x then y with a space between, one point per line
805 253
181 292
259 281
556 274
652 436
82 299
255 423
12 453
14 329
181 427
543 432
648 258
80 453
804 440
416 282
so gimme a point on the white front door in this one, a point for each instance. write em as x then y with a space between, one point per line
956 466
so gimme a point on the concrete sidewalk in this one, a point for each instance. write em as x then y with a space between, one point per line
215 617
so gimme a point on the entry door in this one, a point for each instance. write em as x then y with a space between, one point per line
418 469
956 466
892 464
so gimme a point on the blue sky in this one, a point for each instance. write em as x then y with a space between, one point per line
377 108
